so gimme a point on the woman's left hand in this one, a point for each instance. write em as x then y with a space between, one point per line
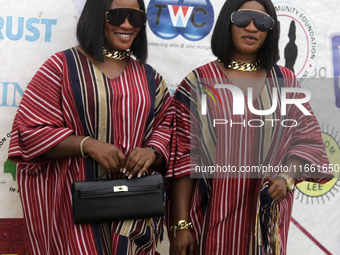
139 160
277 189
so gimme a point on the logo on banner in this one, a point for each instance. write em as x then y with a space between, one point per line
12 93
323 192
29 29
191 19
298 40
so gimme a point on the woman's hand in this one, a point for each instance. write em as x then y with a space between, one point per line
139 160
277 189
183 244
278 186
108 155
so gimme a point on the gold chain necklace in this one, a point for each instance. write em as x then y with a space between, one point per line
245 67
116 54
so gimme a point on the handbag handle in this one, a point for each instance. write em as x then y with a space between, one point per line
101 177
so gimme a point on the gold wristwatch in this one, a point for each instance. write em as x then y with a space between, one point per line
289 181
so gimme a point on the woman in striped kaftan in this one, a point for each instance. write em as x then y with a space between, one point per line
123 106
218 180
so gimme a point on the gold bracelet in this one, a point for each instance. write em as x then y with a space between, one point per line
81 147
289 181
182 225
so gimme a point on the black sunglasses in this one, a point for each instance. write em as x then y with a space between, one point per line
242 18
116 17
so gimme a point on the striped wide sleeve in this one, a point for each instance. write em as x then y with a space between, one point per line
39 125
163 119
182 136
306 143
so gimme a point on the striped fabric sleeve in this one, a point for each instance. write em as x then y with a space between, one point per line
39 125
163 119
306 142
180 150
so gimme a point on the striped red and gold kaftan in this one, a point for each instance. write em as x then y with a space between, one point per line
224 208
71 96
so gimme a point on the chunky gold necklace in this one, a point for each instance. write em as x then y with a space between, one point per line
245 67
116 54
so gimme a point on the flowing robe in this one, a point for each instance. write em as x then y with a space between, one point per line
225 204
69 95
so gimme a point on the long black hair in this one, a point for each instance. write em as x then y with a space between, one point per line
221 41
91 31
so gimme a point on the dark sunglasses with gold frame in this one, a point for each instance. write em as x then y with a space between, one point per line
242 17
116 16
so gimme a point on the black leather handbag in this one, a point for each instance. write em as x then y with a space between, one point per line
118 199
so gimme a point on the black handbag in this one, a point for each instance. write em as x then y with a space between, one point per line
118 199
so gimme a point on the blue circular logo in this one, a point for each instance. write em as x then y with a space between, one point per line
191 19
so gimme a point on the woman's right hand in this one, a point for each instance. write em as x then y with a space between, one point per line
183 244
108 155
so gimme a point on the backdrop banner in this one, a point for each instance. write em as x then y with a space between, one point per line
179 33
